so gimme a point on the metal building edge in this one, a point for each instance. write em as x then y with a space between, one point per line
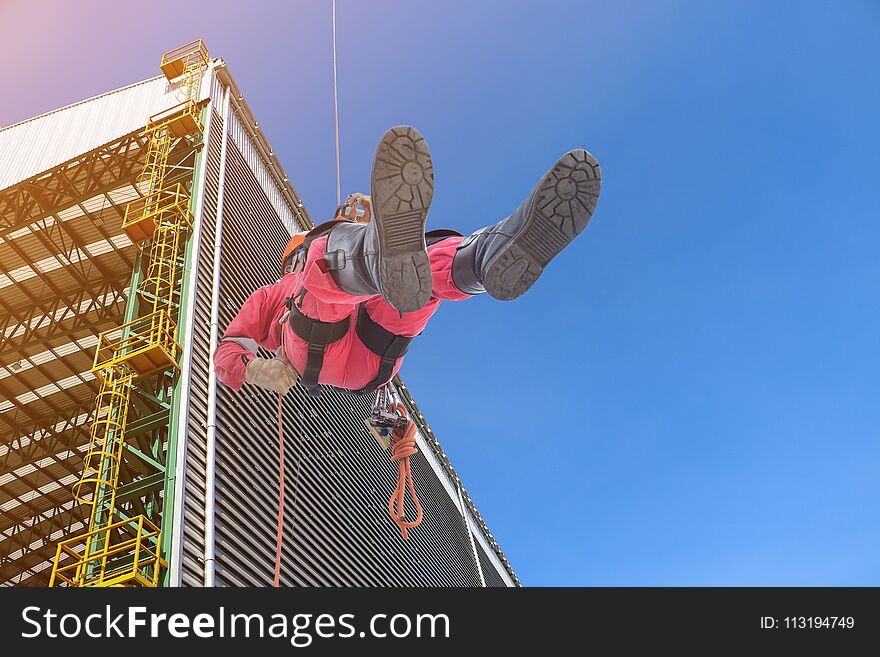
175 475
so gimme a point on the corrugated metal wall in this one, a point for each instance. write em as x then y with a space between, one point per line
262 176
337 529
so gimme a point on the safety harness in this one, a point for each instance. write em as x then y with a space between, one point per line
382 342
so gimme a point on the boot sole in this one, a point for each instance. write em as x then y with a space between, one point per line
402 186
566 199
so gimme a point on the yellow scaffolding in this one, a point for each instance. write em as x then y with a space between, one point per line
143 346
127 551
122 553
159 208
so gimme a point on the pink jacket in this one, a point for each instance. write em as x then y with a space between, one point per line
347 362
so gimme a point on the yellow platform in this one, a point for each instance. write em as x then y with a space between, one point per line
175 63
180 120
145 345
124 553
167 206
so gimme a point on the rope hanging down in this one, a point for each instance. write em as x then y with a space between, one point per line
403 441
403 445
277 580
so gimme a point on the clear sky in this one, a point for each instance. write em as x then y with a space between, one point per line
689 395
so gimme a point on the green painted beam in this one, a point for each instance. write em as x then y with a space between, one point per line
131 449
175 420
161 403
141 487
147 423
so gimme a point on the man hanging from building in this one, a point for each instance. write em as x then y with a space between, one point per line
356 290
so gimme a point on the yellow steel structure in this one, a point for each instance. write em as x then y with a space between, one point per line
187 61
145 345
128 555
160 208
118 550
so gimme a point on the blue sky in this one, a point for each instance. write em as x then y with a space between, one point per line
688 396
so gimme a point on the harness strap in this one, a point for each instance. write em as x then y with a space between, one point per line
318 334
375 337
382 342
440 234
319 231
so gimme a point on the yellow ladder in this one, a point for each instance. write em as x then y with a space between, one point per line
126 551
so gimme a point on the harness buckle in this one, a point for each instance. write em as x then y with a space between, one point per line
334 260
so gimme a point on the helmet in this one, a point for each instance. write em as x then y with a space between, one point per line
292 251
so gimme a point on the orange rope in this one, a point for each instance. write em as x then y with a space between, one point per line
280 493
402 447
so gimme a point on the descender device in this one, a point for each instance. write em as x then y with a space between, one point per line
385 416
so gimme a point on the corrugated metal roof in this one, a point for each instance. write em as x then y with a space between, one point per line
38 144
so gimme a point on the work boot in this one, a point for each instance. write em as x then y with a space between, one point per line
387 256
507 258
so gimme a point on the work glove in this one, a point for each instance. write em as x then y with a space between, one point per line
272 374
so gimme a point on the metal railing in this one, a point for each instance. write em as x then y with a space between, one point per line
176 62
145 345
168 206
123 553
180 120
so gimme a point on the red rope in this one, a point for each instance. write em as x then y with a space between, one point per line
280 493
403 446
